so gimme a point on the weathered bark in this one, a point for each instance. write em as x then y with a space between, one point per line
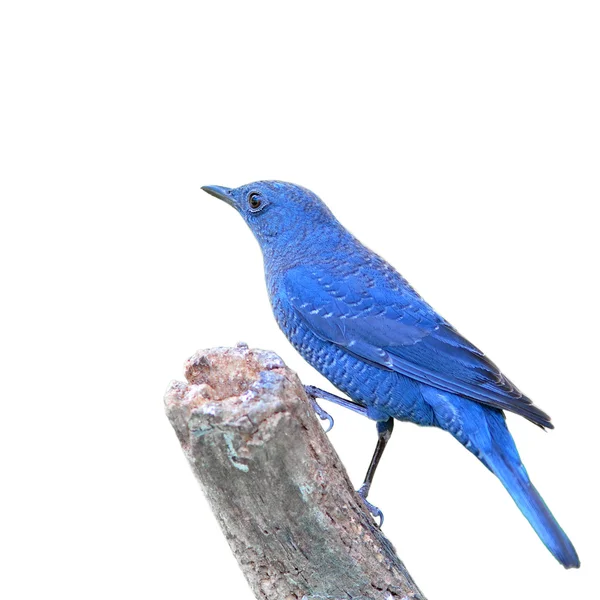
276 485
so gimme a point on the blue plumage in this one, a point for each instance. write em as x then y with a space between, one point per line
357 321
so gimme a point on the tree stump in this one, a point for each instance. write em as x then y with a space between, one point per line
276 485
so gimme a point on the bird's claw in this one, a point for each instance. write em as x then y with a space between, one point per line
322 414
374 510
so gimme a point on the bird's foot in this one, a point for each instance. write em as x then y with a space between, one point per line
322 414
374 510
315 392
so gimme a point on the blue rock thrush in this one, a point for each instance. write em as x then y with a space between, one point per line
357 321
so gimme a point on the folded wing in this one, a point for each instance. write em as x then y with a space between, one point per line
390 326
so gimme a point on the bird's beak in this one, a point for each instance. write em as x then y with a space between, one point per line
222 193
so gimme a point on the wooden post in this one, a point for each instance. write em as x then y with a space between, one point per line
276 485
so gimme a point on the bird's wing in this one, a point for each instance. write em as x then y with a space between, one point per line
392 327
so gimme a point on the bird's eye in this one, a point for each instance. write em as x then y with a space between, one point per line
254 200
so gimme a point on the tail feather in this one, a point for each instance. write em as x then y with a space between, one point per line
483 431
503 460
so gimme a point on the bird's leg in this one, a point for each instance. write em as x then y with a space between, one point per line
384 433
314 392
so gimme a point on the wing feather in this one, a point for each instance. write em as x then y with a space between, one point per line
393 328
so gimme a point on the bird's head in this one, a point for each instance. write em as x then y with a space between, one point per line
279 214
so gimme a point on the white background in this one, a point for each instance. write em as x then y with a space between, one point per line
460 140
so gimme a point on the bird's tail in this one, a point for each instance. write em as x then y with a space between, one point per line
503 460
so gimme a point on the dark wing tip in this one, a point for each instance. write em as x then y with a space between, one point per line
532 413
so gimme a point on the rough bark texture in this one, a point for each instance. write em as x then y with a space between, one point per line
275 483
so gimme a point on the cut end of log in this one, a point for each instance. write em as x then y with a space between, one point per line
275 483
237 386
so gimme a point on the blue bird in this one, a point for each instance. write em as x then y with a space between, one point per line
355 319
